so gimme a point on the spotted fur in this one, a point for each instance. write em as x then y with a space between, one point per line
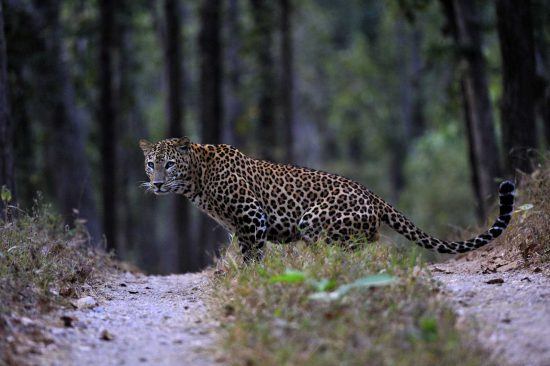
261 201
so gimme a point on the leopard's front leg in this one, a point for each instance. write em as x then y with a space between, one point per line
252 231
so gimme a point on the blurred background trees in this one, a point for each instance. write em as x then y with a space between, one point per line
429 103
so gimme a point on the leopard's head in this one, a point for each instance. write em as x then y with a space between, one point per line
167 163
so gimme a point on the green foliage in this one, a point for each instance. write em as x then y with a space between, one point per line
372 306
438 195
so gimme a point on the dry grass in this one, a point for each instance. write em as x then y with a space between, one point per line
528 236
270 317
526 242
43 264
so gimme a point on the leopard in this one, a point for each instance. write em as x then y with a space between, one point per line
260 201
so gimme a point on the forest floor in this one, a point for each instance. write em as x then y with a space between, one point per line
507 309
136 320
163 320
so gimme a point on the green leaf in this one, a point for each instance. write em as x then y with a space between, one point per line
5 194
376 280
525 207
324 284
290 276
428 327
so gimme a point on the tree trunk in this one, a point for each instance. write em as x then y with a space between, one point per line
287 80
410 122
211 113
7 177
463 18
515 32
262 13
107 120
180 235
69 170
234 108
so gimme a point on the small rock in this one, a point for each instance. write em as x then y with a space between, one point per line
123 285
495 281
68 321
507 320
26 321
87 302
228 310
106 335
537 270
526 279
133 292
66 291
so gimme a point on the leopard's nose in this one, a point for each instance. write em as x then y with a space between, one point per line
158 184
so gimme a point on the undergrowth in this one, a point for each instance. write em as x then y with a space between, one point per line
324 305
529 231
43 263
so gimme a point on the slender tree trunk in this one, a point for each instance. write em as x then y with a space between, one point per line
211 110
107 120
262 13
515 31
180 236
7 177
287 79
463 18
234 108
70 169
410 123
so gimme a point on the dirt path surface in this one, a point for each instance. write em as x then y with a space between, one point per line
138 320
511 309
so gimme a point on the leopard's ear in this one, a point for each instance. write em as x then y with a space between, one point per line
145 145
183 144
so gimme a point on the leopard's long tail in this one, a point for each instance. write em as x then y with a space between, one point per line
405 227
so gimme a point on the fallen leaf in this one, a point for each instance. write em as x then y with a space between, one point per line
87 302
68 321
106 335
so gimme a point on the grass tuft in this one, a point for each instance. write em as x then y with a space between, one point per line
325 305
43 263
528 233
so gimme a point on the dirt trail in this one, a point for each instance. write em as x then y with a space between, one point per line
510 309
152 320
162 320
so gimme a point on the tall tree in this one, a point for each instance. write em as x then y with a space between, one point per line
107 120
262 12
465 26
234 107
69 168
187 252
7 177
410 122
515 32
211 105
287 79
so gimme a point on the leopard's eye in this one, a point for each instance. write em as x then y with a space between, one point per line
151 164
169 164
